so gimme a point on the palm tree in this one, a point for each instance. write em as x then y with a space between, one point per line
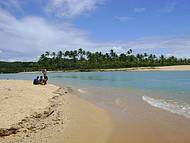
42 57
145 55
122 57
53 54
107 56
129 51
162 59
82 59
139 57
81 54
113 54
59 54
88 54
47 54
66 54
72 54
154 57
43 61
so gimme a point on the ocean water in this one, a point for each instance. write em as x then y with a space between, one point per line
168 90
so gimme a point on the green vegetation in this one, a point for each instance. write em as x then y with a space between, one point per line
86 61
14 67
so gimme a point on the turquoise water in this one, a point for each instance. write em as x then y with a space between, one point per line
171 82
173 87
174 82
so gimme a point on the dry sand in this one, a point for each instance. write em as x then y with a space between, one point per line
41 114
19 99
162 68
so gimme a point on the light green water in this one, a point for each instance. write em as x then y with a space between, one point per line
167 90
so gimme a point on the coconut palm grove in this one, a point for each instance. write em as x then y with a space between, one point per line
81 60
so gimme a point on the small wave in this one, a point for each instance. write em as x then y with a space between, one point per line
81 91
174 107
121 103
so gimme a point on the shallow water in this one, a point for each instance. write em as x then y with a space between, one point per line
145 107
167 90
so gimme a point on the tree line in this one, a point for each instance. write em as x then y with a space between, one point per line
85 61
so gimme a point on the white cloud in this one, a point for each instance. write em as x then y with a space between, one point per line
29 37
123 18
58 8
72 8
139 9
177 46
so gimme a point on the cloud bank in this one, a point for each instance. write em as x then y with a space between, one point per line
72 8
28 37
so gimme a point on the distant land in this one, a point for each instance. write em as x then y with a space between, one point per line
81 60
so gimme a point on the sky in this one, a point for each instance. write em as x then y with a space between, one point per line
28 28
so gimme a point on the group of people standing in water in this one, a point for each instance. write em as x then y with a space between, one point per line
41 80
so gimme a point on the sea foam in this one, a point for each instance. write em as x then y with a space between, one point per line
81 90
174 107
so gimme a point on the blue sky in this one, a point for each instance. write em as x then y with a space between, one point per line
126 20
30 27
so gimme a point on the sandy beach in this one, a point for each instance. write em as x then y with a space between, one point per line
136 69
162 68
135 121
52 114
40 114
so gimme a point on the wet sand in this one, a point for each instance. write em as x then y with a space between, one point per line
135 120
42 114
87 124
146 124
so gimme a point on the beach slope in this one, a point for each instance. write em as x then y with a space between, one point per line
49 114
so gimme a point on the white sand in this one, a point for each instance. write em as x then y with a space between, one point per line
162 68
19 99
41 114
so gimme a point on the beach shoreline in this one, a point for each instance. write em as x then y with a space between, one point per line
132 69
55 114
135 120
31 114
159 68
